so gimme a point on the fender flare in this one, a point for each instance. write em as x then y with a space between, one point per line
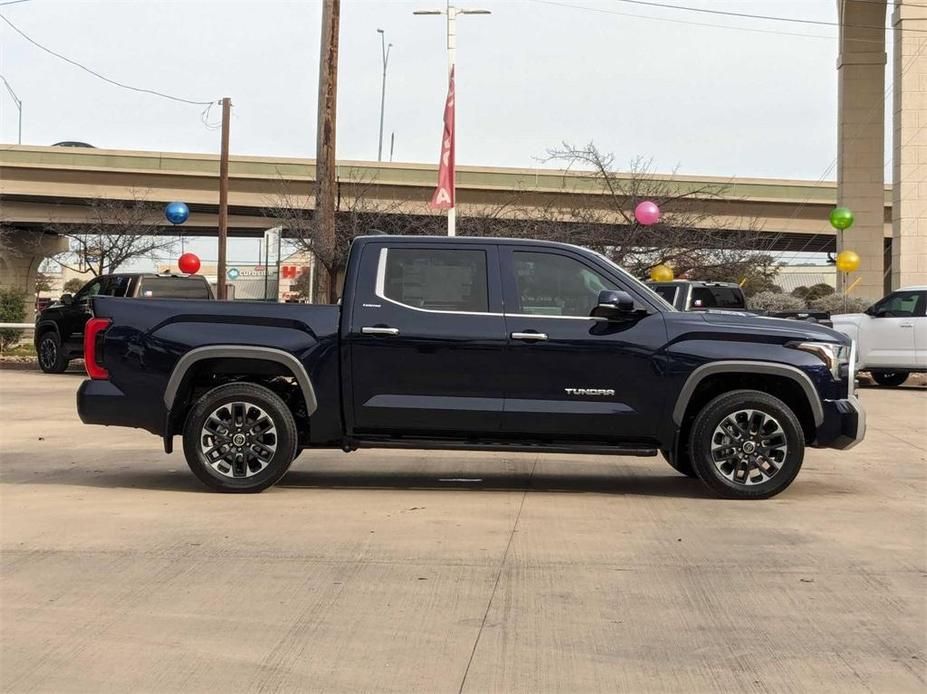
706 370
41 326
240 352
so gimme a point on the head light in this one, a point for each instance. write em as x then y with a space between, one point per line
835 356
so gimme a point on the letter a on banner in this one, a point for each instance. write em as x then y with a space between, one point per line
444 195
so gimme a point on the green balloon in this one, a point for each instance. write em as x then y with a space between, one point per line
841 218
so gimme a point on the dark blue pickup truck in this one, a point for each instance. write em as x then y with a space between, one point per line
476 344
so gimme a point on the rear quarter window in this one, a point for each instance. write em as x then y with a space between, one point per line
173 288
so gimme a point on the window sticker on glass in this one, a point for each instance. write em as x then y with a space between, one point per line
554 285
437 279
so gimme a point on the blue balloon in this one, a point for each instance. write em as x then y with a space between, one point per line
177 212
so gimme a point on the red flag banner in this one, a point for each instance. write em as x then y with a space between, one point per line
444 196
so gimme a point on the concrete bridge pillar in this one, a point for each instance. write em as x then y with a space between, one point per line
909 161
21 253
861 140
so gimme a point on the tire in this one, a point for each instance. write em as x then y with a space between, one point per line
680 462
237 459
51 356
755 464
889 378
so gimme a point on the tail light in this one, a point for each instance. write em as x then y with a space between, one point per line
93 330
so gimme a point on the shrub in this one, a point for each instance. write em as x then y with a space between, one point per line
812 293
12 310
773 302
834 304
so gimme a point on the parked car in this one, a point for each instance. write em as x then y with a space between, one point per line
473 344
891 335
59 327
695 295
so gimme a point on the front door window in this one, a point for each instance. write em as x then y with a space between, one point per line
549 284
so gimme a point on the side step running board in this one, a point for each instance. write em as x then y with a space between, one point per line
438 444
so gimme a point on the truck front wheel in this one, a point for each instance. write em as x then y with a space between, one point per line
747 445
51 354
239 437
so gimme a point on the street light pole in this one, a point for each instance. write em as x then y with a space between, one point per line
19 107
386 50
451 12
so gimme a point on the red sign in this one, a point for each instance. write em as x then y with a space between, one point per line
444 195
291 272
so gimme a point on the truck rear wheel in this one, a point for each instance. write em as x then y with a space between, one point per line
240 437
889 378
747 445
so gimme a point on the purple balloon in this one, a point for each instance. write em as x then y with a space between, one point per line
647 213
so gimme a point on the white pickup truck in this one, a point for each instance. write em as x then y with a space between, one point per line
891 336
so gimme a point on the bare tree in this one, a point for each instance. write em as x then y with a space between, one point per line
691 236
115 232
359 210
695 235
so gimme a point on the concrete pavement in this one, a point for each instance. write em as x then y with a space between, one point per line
447 572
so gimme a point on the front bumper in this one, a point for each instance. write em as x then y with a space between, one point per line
844 423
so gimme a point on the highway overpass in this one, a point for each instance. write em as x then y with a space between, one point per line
44 186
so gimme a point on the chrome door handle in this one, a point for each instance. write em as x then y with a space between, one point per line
530 337
367 330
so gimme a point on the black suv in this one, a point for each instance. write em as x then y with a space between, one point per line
59 329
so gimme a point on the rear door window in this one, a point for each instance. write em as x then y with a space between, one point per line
727 297
436 279
703 298
117 285
173 288
667 293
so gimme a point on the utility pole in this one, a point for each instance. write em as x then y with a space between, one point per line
19 107
385 50
325 145
451 12
223 198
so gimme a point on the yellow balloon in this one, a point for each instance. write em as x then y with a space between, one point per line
661 273
847 261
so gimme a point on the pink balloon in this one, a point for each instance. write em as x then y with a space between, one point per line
647 213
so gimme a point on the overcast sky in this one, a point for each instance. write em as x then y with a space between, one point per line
710 100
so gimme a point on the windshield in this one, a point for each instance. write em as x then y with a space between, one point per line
637 284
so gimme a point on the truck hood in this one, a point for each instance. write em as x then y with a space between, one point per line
846 319
795 329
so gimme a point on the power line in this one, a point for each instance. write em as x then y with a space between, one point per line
602 10
97 74
747 15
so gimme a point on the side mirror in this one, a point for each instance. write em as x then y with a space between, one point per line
614 305
66 299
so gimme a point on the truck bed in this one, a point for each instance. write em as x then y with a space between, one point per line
148 338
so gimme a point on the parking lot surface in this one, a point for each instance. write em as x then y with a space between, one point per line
447 572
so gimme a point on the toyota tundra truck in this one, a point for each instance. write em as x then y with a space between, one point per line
473 344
